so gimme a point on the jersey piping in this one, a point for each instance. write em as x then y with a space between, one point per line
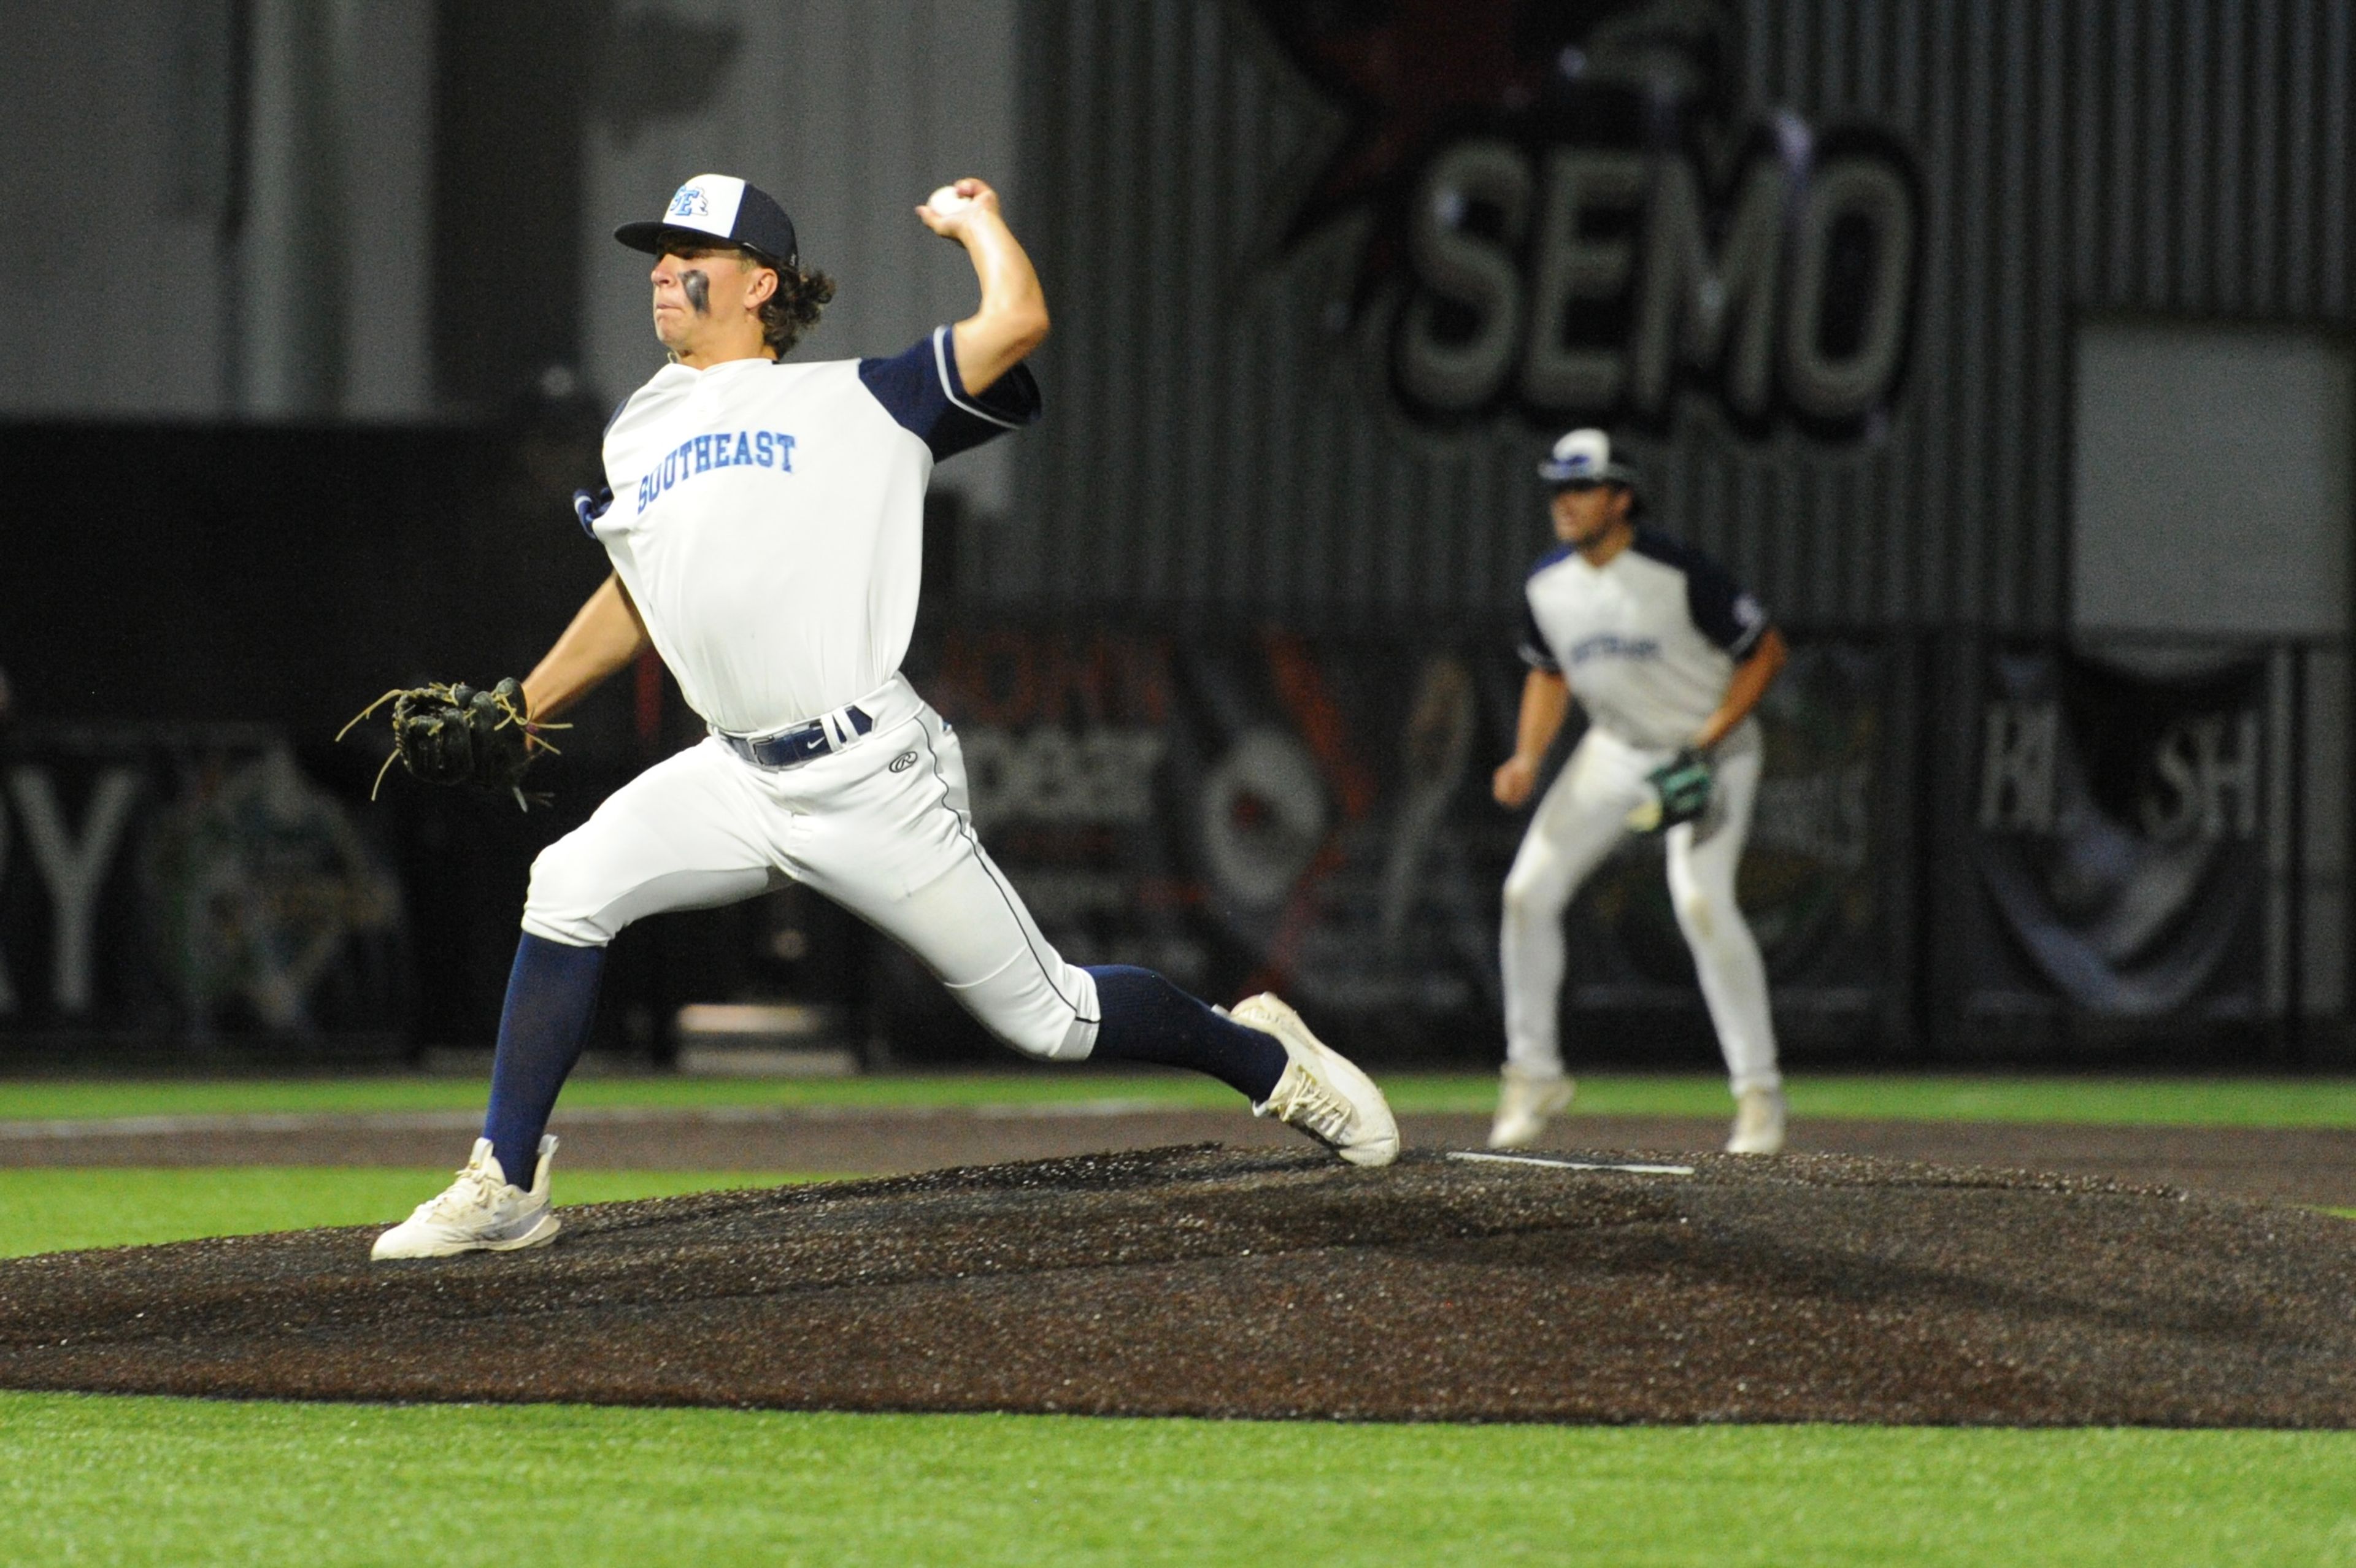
956 393
997 879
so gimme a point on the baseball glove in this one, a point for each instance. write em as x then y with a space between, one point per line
1681 789
462 735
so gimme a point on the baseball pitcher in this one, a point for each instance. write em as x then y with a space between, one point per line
1668 658
763 519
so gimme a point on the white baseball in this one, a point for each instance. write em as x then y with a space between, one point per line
947 200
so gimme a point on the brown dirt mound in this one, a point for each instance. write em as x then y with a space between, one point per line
1210 1280
2285 1164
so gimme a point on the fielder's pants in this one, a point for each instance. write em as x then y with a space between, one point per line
882 828
1581 820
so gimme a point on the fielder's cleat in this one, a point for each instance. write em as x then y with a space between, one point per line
1525 1102
482 1212
1321 1092
1758 1123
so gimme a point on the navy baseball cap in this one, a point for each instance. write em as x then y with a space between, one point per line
727 208
1584 457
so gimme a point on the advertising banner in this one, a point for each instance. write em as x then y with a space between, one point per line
2117 838
1313 814
179 883
1248 811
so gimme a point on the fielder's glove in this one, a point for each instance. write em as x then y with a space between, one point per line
461 735
1681 789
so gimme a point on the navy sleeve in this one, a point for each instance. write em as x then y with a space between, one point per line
921 388
1533 647
590 505
1722 612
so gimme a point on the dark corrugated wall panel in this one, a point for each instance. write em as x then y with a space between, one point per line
1214 443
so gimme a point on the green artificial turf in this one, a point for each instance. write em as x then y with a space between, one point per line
185 1482
55 1208
2186 1100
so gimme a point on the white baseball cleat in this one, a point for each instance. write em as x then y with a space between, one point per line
482 1212
1525 1102
1758 1123
1321 1093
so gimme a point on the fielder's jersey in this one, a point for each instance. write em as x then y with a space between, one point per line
767 520
1648 640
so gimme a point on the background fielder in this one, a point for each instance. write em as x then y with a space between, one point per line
1668 658
764 520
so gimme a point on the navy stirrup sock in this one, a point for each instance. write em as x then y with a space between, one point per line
543 1028
1147 1019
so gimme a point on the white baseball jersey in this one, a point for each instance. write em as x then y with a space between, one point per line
767 520
1648 640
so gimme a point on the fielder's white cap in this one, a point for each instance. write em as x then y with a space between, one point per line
732 212
1584 457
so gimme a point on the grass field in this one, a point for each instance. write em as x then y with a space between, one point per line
186 1482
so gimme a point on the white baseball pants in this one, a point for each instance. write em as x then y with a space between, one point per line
883 827
1583 818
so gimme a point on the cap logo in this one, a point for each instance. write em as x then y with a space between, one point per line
712 204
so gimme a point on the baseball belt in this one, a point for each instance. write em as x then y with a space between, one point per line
791 747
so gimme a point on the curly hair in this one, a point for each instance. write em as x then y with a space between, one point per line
792 311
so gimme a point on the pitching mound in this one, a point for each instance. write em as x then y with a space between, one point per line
1208 1281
